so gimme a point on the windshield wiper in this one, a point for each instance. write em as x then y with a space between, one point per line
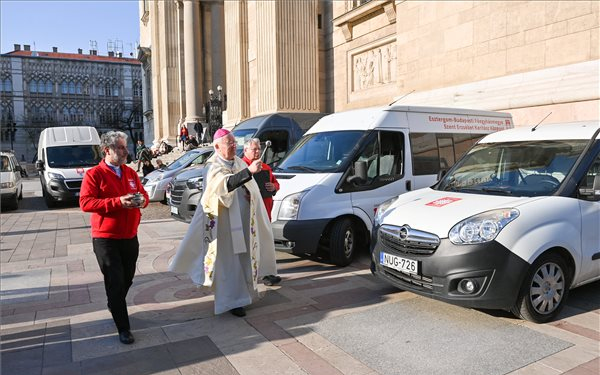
496 190
302 168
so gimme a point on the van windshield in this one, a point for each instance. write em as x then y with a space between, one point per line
73 156
321 152
532 168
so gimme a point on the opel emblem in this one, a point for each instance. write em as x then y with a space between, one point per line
403 233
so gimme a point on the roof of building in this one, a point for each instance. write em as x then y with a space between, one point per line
73 56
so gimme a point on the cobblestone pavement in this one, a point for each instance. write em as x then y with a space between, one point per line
321 320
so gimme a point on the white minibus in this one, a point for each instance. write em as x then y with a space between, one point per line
350 162
65 153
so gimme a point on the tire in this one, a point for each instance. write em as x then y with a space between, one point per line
12 203
343 242
544 290
21 194
50 202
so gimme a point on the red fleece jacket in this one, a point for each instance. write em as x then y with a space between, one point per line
100 192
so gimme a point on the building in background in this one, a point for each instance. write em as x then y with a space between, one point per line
529 58
45 89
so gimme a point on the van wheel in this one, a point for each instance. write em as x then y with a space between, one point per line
13 202
50 202
21 194
544 290
343 242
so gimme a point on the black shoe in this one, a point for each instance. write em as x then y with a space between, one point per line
271 280
238 311
126 337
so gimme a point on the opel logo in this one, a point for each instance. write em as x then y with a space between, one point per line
403 232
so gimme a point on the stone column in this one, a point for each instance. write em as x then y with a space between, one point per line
236 43
192 61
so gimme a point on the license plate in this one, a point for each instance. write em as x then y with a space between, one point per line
174 210
398 263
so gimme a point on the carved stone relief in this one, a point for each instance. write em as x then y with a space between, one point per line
374 67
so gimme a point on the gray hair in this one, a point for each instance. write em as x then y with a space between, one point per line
109 139
251 141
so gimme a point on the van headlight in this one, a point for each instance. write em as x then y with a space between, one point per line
290 206
483 227
55 176
7 185
382 208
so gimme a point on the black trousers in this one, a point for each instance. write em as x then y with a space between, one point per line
117 260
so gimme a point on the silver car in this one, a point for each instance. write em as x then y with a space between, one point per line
157 181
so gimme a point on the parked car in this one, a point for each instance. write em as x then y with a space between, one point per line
11 182
156 182
513 225
282 129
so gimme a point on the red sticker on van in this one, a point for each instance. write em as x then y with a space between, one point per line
442 201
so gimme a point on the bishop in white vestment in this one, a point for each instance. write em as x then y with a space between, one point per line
229 244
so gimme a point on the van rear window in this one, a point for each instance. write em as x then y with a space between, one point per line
432 152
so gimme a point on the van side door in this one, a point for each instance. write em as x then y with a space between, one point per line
384 154
590 222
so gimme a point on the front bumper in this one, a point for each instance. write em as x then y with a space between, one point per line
156 192
185 207
298 236
497 272
64 190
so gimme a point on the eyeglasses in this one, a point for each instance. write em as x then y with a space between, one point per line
230 143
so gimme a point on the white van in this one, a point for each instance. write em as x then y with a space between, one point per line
348 163
513 225
11 182
64 155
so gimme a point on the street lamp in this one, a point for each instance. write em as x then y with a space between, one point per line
214 113
12 129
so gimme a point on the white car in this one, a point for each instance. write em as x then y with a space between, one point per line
11 182
513 225
156 182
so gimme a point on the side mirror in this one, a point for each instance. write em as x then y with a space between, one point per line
360 173
593 193
39 165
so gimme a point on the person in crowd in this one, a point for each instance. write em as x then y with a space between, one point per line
113 193
183 134
193 142
143 155
147 167
229 244
160 164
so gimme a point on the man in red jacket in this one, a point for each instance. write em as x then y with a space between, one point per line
109 192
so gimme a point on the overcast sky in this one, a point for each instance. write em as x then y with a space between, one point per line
70 25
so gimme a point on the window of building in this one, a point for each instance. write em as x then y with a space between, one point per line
64 87
33 86
49 87
71 87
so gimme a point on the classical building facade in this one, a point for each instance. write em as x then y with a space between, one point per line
529 58
45 89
